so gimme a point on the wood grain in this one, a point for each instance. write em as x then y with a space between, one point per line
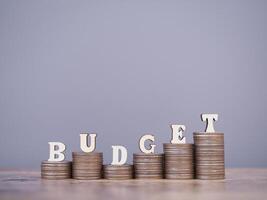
239 184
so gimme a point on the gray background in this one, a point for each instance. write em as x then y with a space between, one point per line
125 68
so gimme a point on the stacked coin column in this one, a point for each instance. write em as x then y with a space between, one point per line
118 172
209 155
87 166
148 166
179 161
56 170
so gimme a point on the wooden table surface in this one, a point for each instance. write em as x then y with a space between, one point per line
239 184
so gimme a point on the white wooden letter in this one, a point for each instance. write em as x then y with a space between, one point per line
119 155
56 153
84 142
209 118
177 134
142 144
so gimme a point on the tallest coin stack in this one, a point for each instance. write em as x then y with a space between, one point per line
209 155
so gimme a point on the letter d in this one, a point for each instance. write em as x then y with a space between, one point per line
119 155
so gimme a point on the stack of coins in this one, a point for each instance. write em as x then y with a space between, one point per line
148 166
87 166
179 161
209 155
118 172
56 170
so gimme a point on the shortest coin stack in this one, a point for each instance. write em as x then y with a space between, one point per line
56 170
118 172
148 166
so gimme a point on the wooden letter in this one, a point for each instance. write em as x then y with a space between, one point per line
209 118
142 144
84 142
56 153
119 155
177 134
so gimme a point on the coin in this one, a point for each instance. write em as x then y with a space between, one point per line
55 170
209 155
148 166
87 166
179 176
148 176
179 161
118 172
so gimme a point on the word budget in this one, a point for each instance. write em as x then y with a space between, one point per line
180 160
